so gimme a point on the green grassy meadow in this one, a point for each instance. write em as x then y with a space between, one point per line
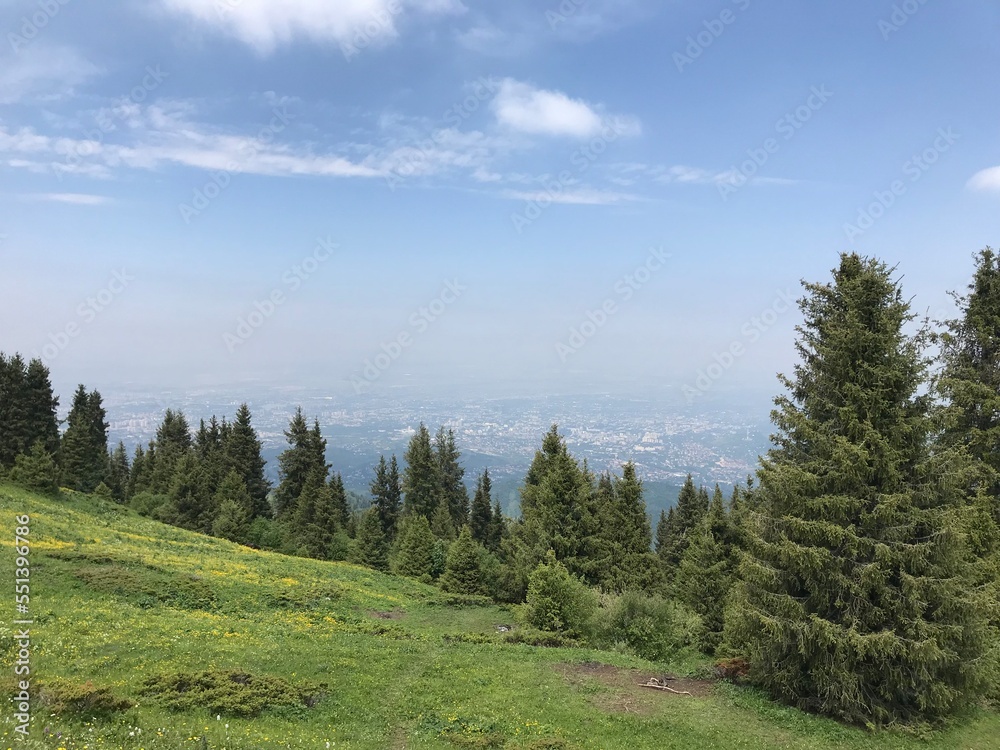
118 600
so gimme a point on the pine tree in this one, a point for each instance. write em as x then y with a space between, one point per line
190 506
118 472
172 443
625 537
84 450
415 554
854 599
40 405
36 470
387 495
450 476
371 548
498 529
441 523
306 452
463 572
692 505
420 476
481 514
243 453
705 575
311 525
234 509
340 509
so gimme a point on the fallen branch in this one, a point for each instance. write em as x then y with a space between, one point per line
655 685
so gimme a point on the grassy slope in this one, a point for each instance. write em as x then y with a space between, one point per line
300 619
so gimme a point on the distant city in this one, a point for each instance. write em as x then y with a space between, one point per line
666 439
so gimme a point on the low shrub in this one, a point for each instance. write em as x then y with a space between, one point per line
232 693
65 697
651 627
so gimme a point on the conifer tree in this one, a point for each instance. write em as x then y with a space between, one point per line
450 476
387 495
235 507
36 470
854 599
463 572
27 409
311 526
340 508
118 472
705 575
306 452
441 523
172 443
190 506
497 530
415 554
420 483
84 450
625 537
371 548
481 513
692 505
664 526
243 453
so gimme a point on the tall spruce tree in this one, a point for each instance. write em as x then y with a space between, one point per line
306 453
172 443
625 537
235 508
692 505
463 573
118 472
243 454
387 495
415 554
420 480
27 409
371 548
340 508
705 575
481 513
84 450
450 477
854 599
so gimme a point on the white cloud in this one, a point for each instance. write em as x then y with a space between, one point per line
987 179
78 199
265 24
45 72
582 196
522 107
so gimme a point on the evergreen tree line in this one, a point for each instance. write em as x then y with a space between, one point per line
857 576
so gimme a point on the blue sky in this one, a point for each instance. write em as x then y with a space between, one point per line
371 193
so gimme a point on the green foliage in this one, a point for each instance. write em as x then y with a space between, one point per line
147 504
242 449
387 495
36 470
481 513
61 696
84 449
230 693
624 537
27 409
856 596
306 453
451 489
371 548
415 552
651 627
557 601
235 509
463 572
420 476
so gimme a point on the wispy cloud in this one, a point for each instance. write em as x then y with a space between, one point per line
987 179
582 196
78 199
524 108
41 72
265 24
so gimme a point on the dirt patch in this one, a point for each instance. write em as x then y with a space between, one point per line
394 614
618 690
